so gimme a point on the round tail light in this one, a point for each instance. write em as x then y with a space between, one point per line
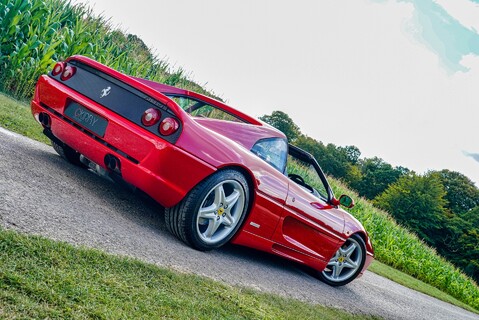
150 117
68 73
168 126
57 69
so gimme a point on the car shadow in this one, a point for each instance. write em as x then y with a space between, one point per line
132 205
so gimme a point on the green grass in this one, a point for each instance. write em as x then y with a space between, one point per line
415 284
16 116
43 279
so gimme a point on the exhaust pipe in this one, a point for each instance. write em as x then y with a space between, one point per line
93 166
113 163
45 119
113 173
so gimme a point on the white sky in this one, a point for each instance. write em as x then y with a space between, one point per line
349 72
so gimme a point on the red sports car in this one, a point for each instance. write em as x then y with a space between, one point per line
220 174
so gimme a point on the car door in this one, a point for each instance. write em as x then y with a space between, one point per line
309 225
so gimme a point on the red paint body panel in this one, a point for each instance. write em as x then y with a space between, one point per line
284 219
268 206
243 133
153 174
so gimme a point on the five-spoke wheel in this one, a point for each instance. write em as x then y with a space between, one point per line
220 211
212 212
346 263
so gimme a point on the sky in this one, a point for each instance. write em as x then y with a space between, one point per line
396 78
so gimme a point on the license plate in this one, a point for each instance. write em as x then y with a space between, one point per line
86 118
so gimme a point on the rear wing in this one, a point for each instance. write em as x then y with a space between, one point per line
169 90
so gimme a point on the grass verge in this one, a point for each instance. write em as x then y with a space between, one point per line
16 116
415 284
44 279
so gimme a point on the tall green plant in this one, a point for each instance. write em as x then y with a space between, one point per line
36 34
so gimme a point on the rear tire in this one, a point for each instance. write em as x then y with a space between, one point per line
211 214
68 154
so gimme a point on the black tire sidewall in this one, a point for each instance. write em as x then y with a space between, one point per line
195 200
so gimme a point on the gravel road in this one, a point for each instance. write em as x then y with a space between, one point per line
44 195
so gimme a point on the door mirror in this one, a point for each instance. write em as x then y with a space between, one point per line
346 201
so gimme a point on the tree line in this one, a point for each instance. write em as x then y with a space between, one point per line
441 207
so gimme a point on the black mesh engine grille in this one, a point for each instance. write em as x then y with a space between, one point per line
117 96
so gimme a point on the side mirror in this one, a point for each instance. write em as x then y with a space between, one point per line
346 201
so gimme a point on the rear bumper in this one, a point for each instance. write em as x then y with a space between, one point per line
157 167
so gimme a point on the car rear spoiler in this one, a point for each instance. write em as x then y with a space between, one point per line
166 89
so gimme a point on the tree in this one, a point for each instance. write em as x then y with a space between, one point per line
417 202
352 153
376 176
461 193
335 161
340 162
458 240
472 216
284 123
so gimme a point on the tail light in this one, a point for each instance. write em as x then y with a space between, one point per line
58 68
150 117
168 126
68 73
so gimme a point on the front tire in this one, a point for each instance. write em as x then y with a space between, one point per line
211 214
346 264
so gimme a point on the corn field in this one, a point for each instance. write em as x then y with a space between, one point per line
35 34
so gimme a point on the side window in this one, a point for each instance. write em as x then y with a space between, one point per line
274 151
309 175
